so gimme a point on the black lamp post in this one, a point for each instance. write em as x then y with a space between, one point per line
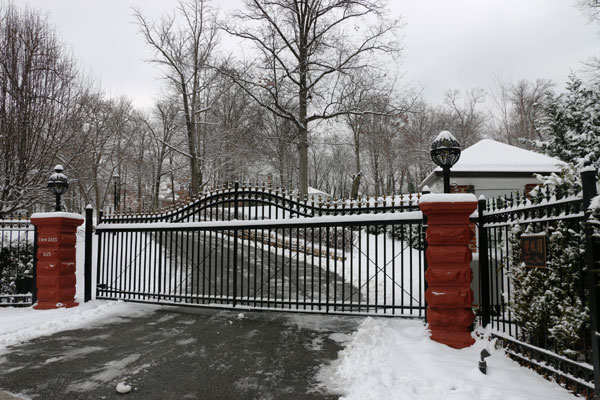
445 152
58 184
117 181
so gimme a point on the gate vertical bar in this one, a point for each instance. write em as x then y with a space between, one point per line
484 270
87 274
588 180
99 255
235 241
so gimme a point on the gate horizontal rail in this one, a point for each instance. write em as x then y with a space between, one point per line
359 264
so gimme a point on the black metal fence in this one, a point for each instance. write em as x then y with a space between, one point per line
364 264
239 202
517 300
17 261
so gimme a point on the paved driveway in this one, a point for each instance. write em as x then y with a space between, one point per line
181 353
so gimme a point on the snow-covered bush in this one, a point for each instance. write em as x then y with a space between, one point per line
16 262
547 302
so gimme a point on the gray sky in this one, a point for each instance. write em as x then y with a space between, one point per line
449 44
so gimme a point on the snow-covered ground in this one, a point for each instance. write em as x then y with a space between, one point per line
395 359
385 359
23 324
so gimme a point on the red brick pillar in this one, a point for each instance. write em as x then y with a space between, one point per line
55 270
449 295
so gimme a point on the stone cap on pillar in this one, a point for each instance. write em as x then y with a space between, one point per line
59 214
56 219
448 198
448 209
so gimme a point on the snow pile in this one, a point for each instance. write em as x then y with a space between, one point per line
123 387
395 359
23 324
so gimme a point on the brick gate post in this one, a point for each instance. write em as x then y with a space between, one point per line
449 295
55 269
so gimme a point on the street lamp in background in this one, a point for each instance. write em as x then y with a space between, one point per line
117 182
445 152
58 184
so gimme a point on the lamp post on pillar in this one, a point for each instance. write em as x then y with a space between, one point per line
445 152
58 185
55 239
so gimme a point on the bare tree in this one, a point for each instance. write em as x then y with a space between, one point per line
185 47
308 48
106 133
277 136
375 92
463 115
419 131
164 125
516 109
38 88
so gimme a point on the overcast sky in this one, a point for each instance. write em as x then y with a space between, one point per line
449 44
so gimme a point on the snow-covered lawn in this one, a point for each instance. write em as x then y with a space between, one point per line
395 359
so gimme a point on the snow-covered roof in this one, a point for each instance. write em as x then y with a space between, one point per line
491 156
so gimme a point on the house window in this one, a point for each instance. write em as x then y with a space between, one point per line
462 189
529 187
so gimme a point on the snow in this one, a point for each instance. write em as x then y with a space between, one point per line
595 204
398 216
59 214
23 324
445 135
395 359
123 387
312 190
490 156
448 198
588 168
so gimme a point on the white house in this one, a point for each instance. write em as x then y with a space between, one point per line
492 168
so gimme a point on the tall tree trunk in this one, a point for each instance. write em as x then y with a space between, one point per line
303 128
191 136
356 177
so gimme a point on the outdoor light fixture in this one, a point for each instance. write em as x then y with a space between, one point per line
58 184
445 152
482 364
117 181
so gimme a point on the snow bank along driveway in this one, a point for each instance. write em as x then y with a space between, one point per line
395 359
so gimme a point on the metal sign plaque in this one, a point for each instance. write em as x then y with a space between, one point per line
533 250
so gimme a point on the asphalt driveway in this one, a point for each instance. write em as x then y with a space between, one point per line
181 353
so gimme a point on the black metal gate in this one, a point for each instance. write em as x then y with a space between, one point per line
361 264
